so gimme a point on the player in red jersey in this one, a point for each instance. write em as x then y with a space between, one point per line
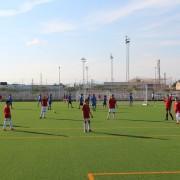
7 116
44 104
168 103
177 110
86 116
112 106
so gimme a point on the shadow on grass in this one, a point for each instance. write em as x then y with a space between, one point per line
75 120
39 133
139 120
65 119
128 135
26 109
17 126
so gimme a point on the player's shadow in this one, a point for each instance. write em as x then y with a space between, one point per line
65 119
74 120
128 135
138 120
39 133
25 109
17 126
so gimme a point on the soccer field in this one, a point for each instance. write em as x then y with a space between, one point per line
138 144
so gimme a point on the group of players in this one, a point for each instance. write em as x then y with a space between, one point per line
168 100
84 104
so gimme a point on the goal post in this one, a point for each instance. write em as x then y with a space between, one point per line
145 102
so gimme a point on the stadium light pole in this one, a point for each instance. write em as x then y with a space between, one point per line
83 60
59 83
111 57
87 75
127 41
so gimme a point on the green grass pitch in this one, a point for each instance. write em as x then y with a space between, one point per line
56 148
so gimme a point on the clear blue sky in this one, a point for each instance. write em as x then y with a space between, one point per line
37 36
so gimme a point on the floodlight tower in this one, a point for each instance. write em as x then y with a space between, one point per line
155 69
83 60
127 42
112 72
87 75
41 79
59 82
159 70
165 79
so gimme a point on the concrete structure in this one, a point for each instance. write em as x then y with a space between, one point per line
178 86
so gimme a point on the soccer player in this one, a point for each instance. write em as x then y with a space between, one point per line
44 104
86 116
7 116
152 96
10 100
70 101
177 110
168 103
81 100
130 99
49 101
105 101
39 99
93 100
0 98
112 106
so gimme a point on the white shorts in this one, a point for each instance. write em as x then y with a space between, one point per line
112 110
178 116
7 119
86 119
43 109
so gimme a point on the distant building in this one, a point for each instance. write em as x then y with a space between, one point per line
3 83
178 86
136 83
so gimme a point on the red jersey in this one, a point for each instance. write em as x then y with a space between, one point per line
86 111
112 103
177 107
7 112
44 102
175 103
168 103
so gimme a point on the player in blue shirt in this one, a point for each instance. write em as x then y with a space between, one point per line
10 100
105 101
39 99
93 100
130 99
81 100
69 101
49 101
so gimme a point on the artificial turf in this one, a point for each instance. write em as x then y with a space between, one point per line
56 148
